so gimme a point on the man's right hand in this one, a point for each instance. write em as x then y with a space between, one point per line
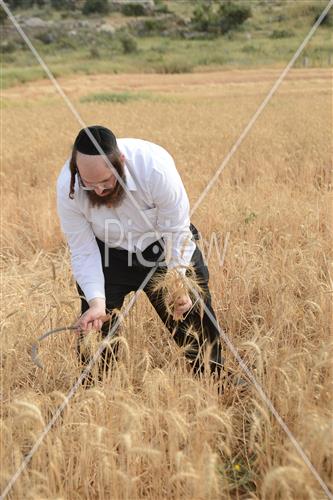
94 317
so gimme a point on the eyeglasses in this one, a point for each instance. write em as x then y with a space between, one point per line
102 185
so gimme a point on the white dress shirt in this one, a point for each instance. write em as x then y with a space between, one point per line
156 205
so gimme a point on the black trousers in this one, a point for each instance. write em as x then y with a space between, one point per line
122 278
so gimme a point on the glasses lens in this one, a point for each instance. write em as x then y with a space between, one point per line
82 185
103 185
87 188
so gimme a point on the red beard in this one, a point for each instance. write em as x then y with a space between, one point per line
112 199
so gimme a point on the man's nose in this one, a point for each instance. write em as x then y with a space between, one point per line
99 190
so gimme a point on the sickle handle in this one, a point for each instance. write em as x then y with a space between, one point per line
34 347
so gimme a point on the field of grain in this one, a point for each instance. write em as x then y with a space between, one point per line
151 430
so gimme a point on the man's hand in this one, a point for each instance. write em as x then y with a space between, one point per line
181 305
93 318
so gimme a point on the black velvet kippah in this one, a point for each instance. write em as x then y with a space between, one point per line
104 137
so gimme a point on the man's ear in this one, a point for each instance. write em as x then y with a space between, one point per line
122 156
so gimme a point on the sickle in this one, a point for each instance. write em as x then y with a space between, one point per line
34 347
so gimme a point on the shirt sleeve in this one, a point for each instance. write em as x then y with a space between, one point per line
173 212
85 255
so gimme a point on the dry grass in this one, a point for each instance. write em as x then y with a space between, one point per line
151 430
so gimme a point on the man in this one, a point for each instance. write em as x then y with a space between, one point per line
125 213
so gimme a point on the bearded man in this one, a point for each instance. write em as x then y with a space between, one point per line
123 209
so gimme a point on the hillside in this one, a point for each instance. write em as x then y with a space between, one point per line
164 40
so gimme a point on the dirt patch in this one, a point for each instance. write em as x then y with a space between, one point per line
76 86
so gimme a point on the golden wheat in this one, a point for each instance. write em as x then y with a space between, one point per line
149 429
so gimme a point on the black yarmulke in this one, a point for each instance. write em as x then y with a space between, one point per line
104 137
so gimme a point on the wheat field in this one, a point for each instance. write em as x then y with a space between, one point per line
150 430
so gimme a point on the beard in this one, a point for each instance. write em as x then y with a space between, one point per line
115 195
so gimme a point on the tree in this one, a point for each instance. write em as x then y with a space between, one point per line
63 4
221 18
204 17
3 16
232 15
128 42
22 4
95 6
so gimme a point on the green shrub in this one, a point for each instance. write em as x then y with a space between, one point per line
133 9
232 15
128 42
3 16
161 49
8 46
22 4
222 18
174 67
63 4
160 7
95 6
8 58
65 42
249 49
46 37
281 34
154 25
327 20
94 53
120 97
204 18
